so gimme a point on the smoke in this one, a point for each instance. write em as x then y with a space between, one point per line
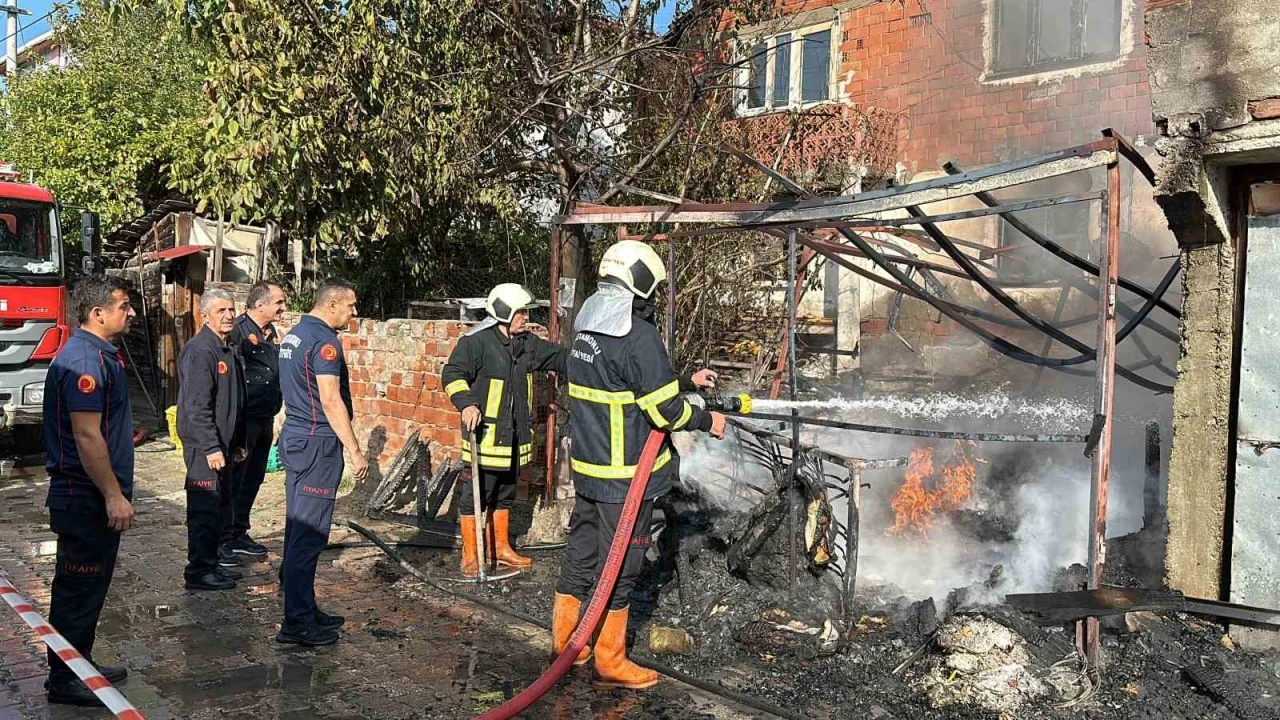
1029 513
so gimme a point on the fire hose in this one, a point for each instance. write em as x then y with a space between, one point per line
604 589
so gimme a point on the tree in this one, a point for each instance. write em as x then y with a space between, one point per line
104 132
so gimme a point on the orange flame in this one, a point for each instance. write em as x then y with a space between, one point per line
914 504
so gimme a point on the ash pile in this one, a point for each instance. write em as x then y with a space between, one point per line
725 603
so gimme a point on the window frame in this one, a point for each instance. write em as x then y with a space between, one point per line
747 43
1078 59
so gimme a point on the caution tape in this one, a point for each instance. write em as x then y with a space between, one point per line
83 669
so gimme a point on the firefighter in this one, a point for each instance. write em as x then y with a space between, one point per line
489 380
211 426
621 386
316 387
259 343
88 434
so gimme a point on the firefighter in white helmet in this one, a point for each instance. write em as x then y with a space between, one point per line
621 386
489 379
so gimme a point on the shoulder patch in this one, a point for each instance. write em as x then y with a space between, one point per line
222 367
87 384
253 339
329 352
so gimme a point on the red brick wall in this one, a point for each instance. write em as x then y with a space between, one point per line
395 370
904 65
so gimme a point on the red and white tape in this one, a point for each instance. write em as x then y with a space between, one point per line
84 669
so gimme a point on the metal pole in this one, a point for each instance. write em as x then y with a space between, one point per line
553 333
671 297
795 424
853 519
11 41
1100 478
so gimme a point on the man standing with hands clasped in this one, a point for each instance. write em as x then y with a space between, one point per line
211 426
88 434
317 427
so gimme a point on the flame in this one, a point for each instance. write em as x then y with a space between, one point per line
915 503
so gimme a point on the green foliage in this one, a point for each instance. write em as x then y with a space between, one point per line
348 121
104 132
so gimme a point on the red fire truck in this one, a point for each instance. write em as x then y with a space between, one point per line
33 300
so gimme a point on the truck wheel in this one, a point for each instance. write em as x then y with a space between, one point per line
28 439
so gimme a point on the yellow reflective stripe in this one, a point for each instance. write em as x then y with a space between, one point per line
494 403
529 378
659 396
684 417
498 451
617 436
456 387
582 392
659 421
615 472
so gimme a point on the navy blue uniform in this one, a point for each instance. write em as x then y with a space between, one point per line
260 349
210 420
88 375
312 457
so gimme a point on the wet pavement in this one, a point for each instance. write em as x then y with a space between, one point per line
406 652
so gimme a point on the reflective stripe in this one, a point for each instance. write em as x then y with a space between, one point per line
497 457
529 377
617 436
684 417
582 392
659 421
494 403
496 450
615 472
659 396
456 387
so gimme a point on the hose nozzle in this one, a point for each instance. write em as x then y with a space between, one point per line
739 404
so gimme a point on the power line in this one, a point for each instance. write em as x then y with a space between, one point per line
29 25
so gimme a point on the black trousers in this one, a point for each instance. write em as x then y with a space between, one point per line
497 491
591 529
86 560
246 478
208 498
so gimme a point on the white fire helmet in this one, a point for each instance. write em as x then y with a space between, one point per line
636 265
506 300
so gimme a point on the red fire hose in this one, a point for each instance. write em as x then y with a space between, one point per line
604 588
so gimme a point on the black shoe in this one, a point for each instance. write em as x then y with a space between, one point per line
314 636
115 674
72 692
227 558
210 581
325 620
228 573
244 545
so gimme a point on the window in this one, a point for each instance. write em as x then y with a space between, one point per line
788 70
1032 35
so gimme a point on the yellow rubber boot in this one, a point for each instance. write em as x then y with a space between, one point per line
613 669
470 563
502 551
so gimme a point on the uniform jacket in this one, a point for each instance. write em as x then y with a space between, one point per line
260 350
620 388
210 396
494 373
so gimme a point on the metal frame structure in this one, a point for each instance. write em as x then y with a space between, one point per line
808 226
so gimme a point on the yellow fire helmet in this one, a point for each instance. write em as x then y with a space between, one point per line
635 265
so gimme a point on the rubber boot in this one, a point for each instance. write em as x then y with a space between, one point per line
564 619
501 544
470 563
613 669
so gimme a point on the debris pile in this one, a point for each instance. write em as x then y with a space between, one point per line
982 663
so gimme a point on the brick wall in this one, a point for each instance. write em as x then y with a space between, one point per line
395 368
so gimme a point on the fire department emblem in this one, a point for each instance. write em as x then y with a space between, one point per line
329 352
86 384
222 367
253 338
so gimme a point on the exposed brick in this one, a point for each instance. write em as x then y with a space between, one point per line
1265 109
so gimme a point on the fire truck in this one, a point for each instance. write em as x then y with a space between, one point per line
33 300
